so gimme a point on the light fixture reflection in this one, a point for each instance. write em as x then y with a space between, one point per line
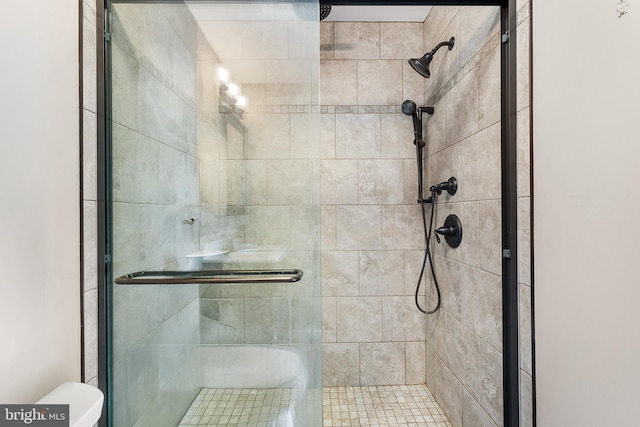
241 102
229 95
223 75
233 89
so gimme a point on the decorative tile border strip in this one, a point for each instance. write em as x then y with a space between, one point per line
361 109
490 46
273 109
523 13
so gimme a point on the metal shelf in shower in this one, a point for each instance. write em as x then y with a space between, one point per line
209 276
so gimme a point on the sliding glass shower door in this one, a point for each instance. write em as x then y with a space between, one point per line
215 219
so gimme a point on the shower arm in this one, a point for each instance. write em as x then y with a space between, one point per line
447 43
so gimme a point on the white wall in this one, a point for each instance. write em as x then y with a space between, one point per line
587 169
39 198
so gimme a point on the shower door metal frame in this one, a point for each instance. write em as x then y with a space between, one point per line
103 249
510 294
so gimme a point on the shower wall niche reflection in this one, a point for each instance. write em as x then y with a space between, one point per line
214 172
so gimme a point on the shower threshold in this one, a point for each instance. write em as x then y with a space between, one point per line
400 405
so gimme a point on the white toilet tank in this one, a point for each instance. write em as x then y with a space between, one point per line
85 403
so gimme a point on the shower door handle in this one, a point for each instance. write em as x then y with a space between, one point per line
209 276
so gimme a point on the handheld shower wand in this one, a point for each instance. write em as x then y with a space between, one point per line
409 108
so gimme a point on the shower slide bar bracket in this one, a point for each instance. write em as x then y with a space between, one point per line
209 276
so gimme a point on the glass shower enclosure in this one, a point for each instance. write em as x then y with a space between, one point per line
214 299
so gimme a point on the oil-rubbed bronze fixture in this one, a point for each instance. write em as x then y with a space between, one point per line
450 186
409 108
452 231
325 10
421 65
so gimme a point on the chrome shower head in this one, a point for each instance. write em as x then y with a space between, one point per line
421 65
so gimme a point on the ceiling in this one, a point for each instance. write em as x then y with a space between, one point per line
267 12
379 13
243 35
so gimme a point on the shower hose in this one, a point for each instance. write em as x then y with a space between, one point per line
427 234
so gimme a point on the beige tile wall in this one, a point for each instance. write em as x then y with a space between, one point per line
464 339
387 139
89 193
524 212
371 231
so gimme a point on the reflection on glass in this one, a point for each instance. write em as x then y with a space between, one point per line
215 167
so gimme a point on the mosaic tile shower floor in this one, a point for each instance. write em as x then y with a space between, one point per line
374 406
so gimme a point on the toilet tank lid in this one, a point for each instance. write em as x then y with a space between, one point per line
84 400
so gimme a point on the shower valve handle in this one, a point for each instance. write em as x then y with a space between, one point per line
447 231
452 231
